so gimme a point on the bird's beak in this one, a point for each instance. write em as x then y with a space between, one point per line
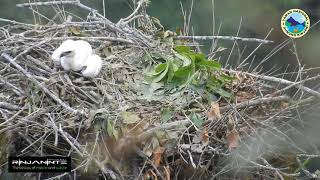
66 53
83 69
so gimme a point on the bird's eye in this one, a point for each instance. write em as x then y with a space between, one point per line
65 53
83 68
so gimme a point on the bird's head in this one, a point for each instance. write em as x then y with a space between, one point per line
65 51
67 54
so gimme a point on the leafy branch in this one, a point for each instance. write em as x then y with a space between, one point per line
187 68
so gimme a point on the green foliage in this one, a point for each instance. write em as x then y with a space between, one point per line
111 130
166 114
196 119
186 67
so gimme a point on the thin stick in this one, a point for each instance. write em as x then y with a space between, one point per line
234 43
48 3
128 19
69 141
104 7
255 48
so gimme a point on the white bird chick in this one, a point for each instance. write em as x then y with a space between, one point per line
72 55
92 67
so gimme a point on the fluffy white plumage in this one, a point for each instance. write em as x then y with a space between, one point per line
93 66
72 55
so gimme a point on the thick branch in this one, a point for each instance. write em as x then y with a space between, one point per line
46 3
232 38
8 106
255 102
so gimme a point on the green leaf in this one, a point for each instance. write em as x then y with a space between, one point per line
157 56
188 68
196 119
159 68
130 118
146 58
163 73
223 93
211 65
196 78
213 84
176 82
183 49
186 61
210 97
166 115
183 72
226 78
199 57
109 128
172 69
116 133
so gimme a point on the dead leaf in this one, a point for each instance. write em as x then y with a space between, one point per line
150 146
201 136
168 34
214 112
75 30
233 136
205 137
130 118
244 96
233 139
238 77
230 124
107 51
220 49
238 80
284 105
157 156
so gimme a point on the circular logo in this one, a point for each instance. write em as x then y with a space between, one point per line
295 23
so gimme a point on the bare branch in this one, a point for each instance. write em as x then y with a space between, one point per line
255 102
231 38
47 3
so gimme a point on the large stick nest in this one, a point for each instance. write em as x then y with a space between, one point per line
112 128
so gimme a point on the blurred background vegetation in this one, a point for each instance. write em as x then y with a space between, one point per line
258 17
